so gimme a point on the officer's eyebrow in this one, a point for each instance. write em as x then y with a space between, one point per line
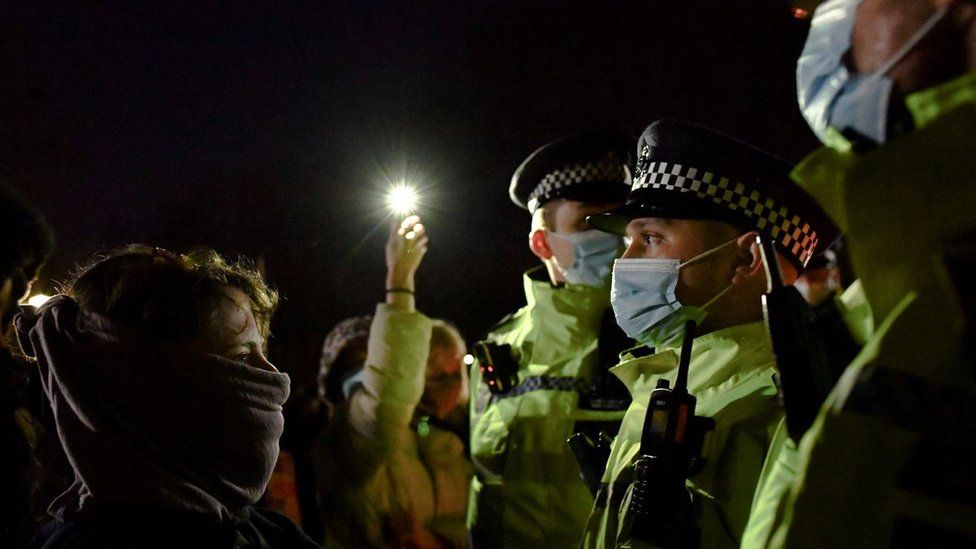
652 222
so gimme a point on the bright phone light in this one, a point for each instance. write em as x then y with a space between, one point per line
37 300
468 360
402 199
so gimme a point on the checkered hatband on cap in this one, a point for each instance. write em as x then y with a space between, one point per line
609 168
793 233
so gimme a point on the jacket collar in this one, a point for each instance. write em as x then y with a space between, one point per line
570 314
566 303
928 105
925 106
716 358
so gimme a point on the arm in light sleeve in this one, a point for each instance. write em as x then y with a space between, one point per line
393 378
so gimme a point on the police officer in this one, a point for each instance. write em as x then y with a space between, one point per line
527 491
698 201
889 86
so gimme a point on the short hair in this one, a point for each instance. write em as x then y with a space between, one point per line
176 297
544 217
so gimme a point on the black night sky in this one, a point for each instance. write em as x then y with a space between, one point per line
271 130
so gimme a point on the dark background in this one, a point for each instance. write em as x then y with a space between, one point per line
272 130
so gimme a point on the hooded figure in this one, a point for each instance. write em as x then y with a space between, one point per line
163 402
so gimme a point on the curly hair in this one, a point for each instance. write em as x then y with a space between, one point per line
175 297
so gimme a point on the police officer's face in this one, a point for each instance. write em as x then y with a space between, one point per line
683 239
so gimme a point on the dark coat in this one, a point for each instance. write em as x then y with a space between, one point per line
252 529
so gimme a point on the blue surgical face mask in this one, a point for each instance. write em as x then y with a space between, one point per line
828 93
592 258
643 297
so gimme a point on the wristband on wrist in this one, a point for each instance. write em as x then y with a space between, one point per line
399 291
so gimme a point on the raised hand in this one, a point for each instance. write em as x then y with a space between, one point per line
405 248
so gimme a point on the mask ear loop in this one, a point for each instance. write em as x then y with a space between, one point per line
705 254
921 33
701 256
716 298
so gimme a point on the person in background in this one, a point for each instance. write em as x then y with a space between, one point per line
556 351
154 369
391 466
343 355
25 242
820 281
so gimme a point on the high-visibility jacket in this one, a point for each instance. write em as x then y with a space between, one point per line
781 461
889 459
527 491
731 375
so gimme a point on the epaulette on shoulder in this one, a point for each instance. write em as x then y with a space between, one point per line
636 352
506 324
505 320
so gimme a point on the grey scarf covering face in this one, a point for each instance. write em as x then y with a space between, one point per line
151 424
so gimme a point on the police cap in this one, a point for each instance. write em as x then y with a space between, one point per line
588 167
689 172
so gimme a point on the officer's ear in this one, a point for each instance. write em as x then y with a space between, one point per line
748 261
539 244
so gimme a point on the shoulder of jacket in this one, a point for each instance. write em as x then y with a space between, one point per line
502 322
506 323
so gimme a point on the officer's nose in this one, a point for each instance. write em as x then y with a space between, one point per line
633 249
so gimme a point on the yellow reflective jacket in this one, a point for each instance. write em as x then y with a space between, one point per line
527 491
781 462
884 458
731 375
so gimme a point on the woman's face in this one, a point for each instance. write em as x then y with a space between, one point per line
235 334
442 387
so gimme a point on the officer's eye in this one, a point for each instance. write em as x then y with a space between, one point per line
651 239
243 357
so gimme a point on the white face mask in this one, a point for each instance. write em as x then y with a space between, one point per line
828 93
644 302
585 257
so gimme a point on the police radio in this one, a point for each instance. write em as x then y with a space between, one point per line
663 511
811 349
498 366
